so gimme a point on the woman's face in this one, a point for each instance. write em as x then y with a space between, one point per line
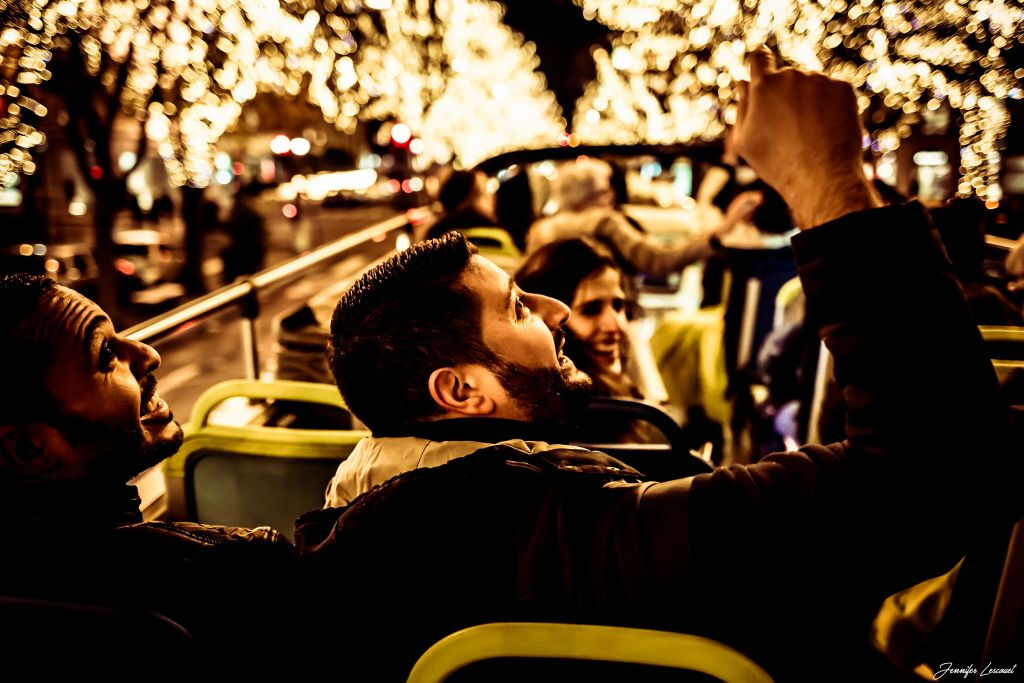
598 318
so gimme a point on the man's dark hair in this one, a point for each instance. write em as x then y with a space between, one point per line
397 324
457 189
25 363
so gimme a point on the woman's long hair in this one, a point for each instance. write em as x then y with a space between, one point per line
556 270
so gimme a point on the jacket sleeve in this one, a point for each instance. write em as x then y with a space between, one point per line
921 468
647 255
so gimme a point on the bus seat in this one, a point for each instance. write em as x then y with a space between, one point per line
689 355
610 645
1005 636
497 245
1003 342
786 300
1005 345
660 461
89 638
256 475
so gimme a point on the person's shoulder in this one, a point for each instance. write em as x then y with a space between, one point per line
187 540
486 479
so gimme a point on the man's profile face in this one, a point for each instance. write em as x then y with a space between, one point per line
103 391
524 331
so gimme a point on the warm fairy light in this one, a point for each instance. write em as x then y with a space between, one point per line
450 70
672 70
187 67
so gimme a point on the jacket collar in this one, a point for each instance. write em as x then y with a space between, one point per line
90 504
482 429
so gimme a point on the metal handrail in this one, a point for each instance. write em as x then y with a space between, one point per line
239 293
245 294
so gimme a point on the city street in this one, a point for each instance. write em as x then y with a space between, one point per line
210 351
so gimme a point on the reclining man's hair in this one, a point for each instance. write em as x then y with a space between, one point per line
25 366
397 324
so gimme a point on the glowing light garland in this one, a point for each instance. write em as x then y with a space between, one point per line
450 69
187 65
672 71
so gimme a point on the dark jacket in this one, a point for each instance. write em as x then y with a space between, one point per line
787 559
72 542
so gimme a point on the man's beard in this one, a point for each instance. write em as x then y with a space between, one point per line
546 394
114 455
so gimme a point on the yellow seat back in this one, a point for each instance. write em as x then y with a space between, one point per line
247 475
584 642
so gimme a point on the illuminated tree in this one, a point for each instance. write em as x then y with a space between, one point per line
449 69
671 73
180 68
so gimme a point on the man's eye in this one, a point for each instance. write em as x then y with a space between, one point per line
618 304
107 356
590 309
521 309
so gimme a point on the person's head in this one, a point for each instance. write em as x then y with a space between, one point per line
437 332
513 206
578 272
466 190
583 184
79 401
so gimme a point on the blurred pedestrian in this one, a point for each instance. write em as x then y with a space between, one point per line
466 203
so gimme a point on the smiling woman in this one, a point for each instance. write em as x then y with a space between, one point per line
580 273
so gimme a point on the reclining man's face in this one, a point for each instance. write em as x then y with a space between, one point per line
525 332
108 420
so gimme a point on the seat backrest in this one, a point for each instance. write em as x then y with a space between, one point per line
492 241
254 475
1005 634
668 460
584 643
101 633
1004 343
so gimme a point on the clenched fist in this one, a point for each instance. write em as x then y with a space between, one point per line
801 133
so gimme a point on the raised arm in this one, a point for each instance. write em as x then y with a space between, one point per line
923 461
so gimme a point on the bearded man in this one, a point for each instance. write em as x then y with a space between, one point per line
456 518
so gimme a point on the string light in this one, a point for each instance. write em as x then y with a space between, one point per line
672 69
462 80
450 70
187 66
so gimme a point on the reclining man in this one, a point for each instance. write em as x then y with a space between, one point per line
787 559
79 417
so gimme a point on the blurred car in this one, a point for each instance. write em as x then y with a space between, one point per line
147 264
71 265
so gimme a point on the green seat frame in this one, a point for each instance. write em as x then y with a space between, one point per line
584 642
493 242
1003 337
253 464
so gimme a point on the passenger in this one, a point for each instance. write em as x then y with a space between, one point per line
585 277
79 417
587 208
451 366
466 203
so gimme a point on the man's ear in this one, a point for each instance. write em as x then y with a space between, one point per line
31 451
461 390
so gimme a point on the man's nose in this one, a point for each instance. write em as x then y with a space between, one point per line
143 358
553 312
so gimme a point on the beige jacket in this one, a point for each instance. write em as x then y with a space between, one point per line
378 459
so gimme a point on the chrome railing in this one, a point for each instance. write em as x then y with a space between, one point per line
245 293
